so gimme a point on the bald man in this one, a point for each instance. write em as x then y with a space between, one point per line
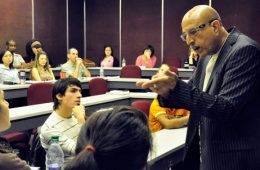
223 94
74 67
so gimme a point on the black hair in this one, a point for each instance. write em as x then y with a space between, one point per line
2 53
29 52
60 87
120 136
8 42
150 47
110 48
115 62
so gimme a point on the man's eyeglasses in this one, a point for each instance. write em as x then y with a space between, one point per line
194 31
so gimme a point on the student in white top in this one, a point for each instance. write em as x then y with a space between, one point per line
18 59
8 73
67 117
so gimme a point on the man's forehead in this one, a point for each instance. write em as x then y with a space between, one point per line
12 43
72 86
73 51
190 23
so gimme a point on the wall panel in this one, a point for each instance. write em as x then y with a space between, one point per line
102 20
76 25
141 25
174 11
50 28
16 23
243 14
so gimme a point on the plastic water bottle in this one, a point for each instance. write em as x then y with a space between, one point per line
101 72
54 155
186 64
123 62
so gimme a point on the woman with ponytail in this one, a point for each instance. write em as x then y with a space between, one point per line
113 139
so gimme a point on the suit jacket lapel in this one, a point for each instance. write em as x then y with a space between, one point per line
232 38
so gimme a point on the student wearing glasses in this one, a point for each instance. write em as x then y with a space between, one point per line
221 94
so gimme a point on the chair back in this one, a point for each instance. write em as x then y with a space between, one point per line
131 71
97 86
143 105
38 93
172 61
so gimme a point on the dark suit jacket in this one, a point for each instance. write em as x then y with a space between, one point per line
228 113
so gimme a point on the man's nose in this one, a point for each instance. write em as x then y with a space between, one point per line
79 94
189 40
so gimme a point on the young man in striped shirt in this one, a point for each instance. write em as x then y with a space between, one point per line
67 117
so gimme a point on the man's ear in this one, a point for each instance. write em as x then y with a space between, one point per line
59 96
216 25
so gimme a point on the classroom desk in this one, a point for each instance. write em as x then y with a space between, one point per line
185 73
146 72
167 148
28 117
55 70
115 71
114 83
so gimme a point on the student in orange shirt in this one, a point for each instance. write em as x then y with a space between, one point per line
166 118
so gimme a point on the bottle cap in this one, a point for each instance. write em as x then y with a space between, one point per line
55 138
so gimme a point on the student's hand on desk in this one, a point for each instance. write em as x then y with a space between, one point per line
161 83
79 113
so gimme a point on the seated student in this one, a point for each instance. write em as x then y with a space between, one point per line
166 118
67 117
193 58
109 60
8 161
41 70
18 59
116 138
74 67
9 74
33 47
147 59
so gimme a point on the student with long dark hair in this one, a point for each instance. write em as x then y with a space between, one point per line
109 60
113 139
8 73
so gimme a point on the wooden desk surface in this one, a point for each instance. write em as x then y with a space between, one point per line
165 142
